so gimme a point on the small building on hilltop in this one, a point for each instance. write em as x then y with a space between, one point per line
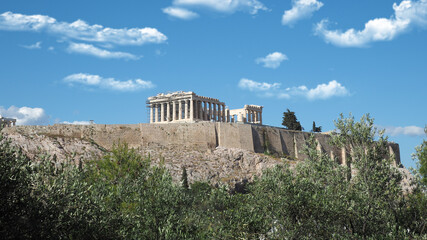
7 122
189 107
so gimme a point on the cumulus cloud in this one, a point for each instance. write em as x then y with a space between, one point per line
26 115
80 30
272 60
180 7
89 49
181 13
36 45
321 91
408 130
324 91
97 81
300 9
77 122
257 86
407 14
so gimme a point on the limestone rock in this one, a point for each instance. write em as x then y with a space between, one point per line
219 165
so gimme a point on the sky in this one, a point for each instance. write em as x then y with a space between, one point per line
75 61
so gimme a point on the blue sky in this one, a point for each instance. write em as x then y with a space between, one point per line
75 61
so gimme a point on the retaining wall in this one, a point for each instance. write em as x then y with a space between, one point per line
199 136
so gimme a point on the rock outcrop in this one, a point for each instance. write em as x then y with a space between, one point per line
215 152
215 165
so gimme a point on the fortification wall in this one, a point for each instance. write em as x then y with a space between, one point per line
196 136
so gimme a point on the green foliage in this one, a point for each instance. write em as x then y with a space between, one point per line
15 201
121 196
143 199
290 121
304 203
316 129
421 156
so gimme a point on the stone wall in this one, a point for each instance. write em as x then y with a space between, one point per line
195 136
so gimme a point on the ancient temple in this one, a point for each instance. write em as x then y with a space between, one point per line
7 122
189 107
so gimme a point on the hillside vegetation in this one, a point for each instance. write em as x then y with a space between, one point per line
122 196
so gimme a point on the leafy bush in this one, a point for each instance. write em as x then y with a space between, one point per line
121 196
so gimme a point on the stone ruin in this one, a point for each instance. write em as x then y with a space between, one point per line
189 107
7 122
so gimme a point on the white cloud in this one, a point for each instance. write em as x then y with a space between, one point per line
80 30
89 49
406 15
300 9
322 91
181 13
257 86
230 6
272 60
107 83
26 115
77 122
36 45
408 130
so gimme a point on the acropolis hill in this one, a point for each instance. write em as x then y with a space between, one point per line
211 143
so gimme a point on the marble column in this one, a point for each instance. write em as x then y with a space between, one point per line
260 117
210 111
214 111
186 109
200 110
191 110
174 111
151 113
218 113
196 109
223 114
162 112
180 110
156 114
249 116
168 112
255 116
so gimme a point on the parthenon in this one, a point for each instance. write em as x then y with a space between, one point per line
189 107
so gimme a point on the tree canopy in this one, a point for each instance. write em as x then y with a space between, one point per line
421 155
290 121
315 128
121 196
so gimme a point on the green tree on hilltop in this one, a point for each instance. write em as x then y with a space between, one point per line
421 155
290 121
316 129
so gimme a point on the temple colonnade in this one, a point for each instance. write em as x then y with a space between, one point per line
186 107
247 114
189 107
7 122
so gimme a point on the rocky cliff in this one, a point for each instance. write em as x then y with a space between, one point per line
215 152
